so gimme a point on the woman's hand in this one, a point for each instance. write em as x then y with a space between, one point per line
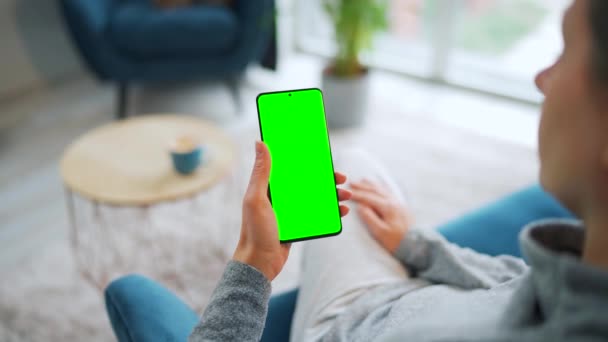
385 217
259 244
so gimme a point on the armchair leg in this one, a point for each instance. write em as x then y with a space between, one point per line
235 90
121 101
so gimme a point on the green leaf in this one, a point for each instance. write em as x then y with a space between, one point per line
355 24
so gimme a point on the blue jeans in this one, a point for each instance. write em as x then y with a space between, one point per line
143 310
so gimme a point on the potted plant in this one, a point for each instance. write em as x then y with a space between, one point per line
345 80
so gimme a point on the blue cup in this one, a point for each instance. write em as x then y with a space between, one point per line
186 162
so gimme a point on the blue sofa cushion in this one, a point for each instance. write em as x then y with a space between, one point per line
146 32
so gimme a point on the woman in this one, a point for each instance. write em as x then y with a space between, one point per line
382 279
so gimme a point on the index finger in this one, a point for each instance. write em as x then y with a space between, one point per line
370 199
340 178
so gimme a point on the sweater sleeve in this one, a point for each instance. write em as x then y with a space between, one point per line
432 257
238 306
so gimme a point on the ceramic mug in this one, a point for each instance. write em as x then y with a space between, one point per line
186 154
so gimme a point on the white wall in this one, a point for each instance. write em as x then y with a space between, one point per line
35 49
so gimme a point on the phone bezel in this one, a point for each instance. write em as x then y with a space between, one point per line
289 92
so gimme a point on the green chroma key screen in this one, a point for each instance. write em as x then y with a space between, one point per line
302 184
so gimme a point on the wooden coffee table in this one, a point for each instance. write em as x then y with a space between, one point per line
130 211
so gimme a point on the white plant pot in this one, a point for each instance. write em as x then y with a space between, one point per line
345 99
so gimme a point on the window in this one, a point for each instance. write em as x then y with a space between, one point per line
494 46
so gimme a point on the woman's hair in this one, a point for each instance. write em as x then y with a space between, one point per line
598 14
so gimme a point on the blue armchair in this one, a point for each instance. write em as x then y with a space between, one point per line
127 41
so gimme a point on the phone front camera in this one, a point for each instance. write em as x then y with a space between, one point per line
289 94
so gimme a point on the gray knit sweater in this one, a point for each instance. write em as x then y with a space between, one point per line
460 295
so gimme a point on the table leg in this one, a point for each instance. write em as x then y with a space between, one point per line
74 240
71 219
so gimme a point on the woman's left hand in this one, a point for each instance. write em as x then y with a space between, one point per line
385 216
259 244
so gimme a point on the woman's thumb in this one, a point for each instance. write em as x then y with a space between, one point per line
261 169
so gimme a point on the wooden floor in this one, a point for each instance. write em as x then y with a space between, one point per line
34 130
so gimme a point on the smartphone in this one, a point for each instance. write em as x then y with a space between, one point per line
302 185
